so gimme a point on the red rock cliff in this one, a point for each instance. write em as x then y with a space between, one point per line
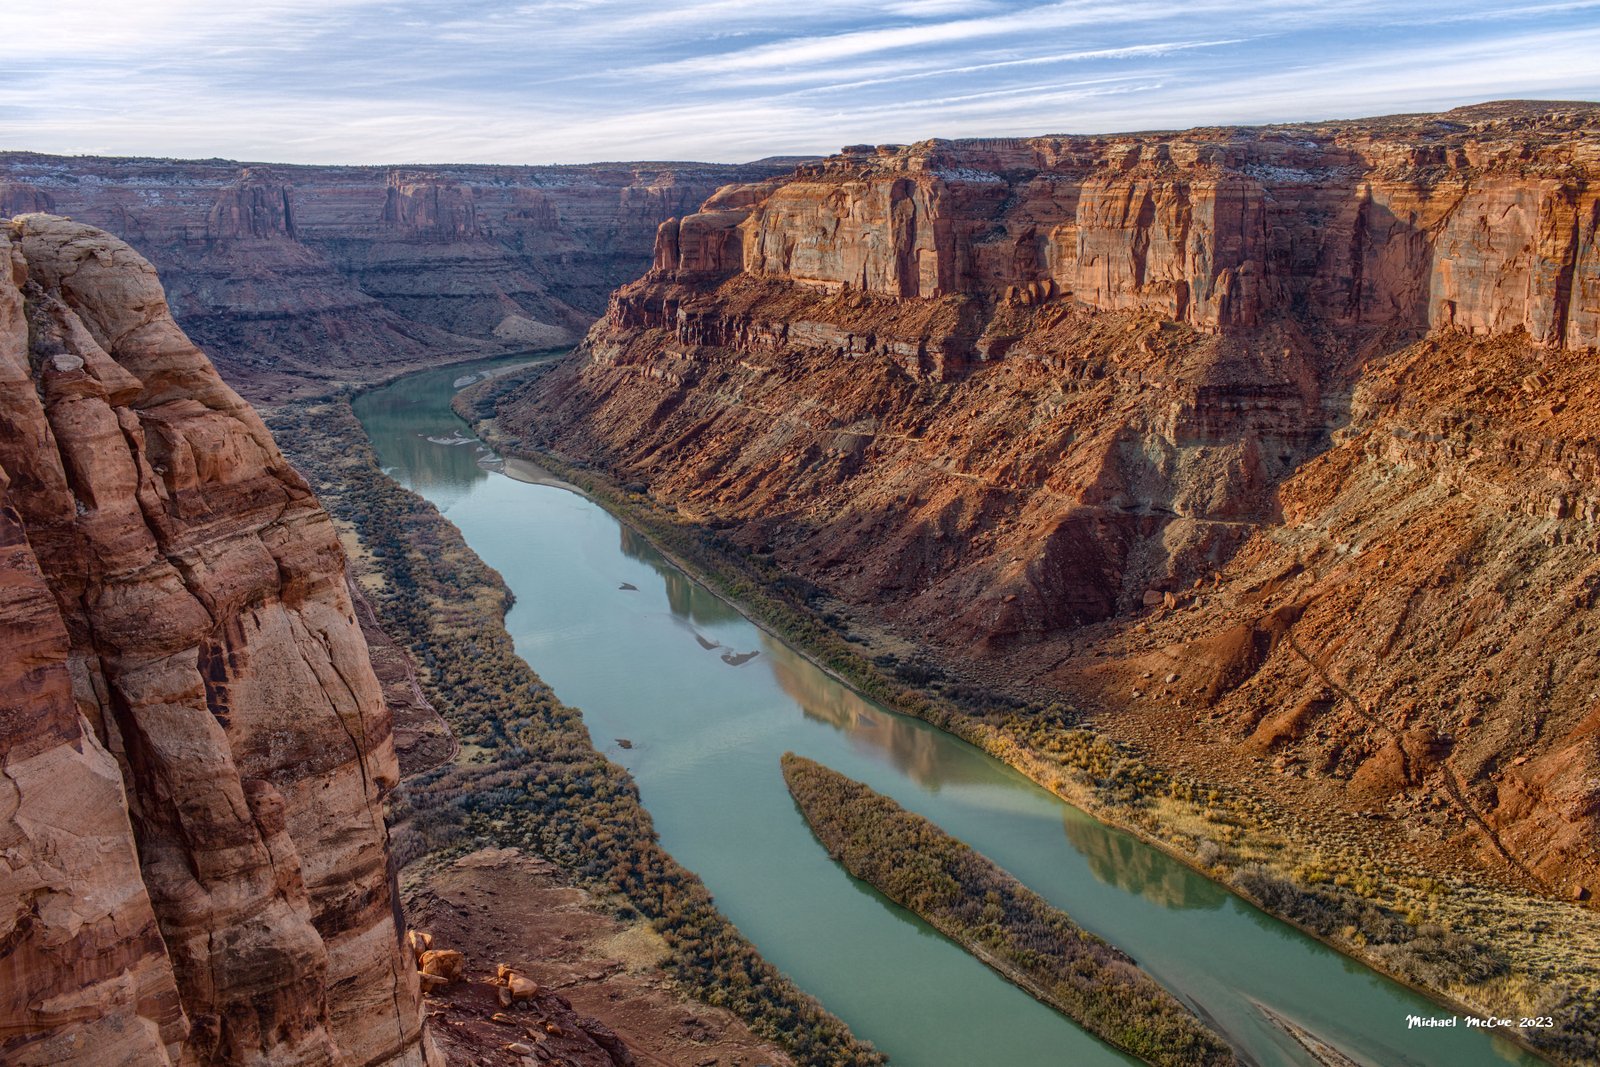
194 746
1018 397
1485 225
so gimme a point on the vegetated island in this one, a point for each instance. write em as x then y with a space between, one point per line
998 919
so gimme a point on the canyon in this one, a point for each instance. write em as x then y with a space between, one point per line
1270 451
1265 454
295 278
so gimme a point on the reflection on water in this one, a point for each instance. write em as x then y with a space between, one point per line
1119 860
688 600
425 439
910 748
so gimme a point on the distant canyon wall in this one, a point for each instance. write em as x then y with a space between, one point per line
194 746
291 276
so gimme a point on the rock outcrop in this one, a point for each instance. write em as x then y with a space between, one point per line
295 277
194 746
1023 399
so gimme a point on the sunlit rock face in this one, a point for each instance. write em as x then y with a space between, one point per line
1018 397
1382 223
195 748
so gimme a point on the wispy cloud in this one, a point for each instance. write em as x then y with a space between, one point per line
898 74
571 80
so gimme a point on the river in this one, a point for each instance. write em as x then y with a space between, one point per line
653 658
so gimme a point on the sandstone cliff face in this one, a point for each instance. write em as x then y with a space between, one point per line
1015 395
293 277
1376 224
194 745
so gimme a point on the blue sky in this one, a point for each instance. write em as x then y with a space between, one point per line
363 81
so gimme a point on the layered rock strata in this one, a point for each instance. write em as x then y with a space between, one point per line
295 277
194 746
1017 397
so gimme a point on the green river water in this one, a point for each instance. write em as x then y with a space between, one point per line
707 734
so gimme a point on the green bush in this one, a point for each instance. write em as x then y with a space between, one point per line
1426 954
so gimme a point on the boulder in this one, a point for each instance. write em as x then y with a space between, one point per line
418 942
446 963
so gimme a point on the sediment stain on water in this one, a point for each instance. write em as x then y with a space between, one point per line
647 664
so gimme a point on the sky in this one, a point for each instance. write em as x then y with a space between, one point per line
433 81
